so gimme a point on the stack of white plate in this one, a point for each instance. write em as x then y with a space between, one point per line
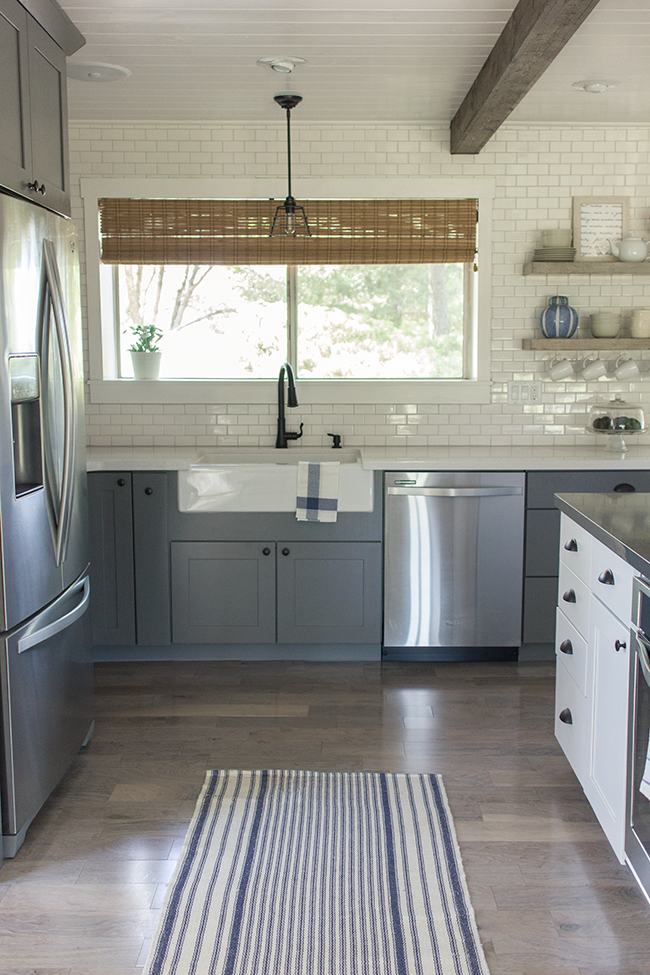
554 254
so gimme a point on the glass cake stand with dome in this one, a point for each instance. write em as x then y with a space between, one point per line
616 421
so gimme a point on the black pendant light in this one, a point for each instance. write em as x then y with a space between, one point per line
289 219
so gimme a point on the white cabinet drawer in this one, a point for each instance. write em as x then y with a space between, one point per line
572 722
611 581
573 599
575 547
571 650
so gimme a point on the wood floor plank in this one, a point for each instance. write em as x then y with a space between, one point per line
81 896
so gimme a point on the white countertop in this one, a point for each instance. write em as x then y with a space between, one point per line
534 458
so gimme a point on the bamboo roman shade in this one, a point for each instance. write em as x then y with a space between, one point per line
237 232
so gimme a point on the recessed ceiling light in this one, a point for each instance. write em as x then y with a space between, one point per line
91 71
594 87
283 65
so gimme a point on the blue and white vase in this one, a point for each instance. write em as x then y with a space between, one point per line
559 320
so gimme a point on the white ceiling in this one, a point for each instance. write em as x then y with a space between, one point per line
367 60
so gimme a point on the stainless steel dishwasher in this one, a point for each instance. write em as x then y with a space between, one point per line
453 565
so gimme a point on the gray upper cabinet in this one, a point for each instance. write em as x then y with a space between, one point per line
33 106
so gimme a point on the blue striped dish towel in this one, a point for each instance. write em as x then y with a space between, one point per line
317 491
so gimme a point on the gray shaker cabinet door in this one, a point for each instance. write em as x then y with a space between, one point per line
112 586
329 592
49 119
223 592
15 144
151 557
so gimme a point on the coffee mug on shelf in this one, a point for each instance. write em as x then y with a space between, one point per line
626 369
640 324
592 368
560 369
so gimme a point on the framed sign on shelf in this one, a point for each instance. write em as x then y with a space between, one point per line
596 221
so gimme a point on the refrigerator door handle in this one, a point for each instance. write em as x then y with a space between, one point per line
37 637
52 299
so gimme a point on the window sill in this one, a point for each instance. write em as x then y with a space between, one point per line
310 391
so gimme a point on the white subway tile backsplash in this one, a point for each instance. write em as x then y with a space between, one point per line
536 169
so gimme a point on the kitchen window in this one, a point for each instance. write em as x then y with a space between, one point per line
462 370
347 321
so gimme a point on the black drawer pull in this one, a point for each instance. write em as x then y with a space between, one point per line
606 577
620 646
625 488
566 717
266 551
569 596
566 647
285 551
121 482
571 545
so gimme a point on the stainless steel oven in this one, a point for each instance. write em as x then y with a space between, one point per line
637 833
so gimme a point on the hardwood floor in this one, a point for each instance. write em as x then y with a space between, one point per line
81 896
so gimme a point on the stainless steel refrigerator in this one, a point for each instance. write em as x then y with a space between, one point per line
45 657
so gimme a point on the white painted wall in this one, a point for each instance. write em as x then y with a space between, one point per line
537 171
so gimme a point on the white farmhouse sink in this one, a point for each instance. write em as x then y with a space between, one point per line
264 479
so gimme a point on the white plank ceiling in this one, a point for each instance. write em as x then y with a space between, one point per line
367 60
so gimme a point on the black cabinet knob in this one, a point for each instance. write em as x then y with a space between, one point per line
620 646
266 551
35 188
148 490
566 647
569 596
285 551
566 717
606 577
625 488
121 482
571 545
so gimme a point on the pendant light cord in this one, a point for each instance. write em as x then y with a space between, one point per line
289 151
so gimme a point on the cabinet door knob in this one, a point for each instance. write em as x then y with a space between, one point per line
625 488
571 545
148 490
566 647
566 717
620 646
266 551
569 596
285 551
35 188
121 482
606 577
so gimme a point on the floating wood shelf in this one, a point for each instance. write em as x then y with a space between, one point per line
587 267
584 345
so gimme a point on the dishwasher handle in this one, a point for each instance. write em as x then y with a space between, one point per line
455 492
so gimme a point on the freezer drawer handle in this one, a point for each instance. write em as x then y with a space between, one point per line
40 636
459 492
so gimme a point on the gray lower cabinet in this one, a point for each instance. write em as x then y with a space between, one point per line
274 591
543 537
223 592
129 558
112 581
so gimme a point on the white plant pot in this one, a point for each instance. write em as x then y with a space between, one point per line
146 365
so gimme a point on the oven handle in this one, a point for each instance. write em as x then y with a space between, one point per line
644 654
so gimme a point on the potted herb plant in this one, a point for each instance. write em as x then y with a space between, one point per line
145 351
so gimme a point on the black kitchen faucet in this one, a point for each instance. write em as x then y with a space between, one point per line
283 436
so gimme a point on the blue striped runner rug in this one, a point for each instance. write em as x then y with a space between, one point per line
318 873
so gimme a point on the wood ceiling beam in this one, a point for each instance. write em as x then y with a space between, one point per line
535 34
